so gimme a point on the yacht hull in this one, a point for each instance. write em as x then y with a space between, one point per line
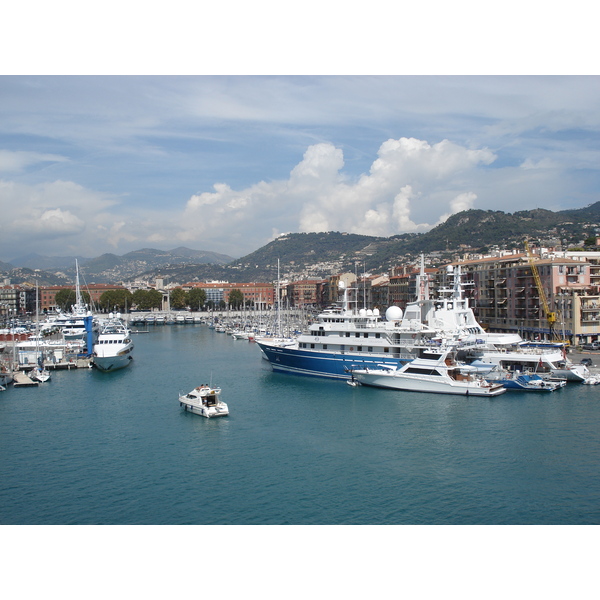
331 365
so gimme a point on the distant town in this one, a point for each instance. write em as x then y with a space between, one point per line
539 292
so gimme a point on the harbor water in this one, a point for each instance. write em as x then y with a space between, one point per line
116 448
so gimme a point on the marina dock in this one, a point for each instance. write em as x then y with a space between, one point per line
21 379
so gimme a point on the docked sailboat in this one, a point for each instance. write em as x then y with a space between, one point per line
113 348
435 372
39 372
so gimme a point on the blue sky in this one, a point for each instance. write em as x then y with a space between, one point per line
94 160
94 164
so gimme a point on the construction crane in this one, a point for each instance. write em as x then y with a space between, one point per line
550 315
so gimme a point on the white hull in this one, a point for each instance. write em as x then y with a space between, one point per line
112 363
433 372
577 373
405 383
204 401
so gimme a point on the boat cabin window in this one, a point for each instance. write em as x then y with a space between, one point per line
421 371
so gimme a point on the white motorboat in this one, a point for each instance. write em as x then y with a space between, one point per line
204 400
432 371
114 346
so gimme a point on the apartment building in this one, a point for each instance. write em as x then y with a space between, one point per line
505 296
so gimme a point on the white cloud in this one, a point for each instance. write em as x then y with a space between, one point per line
318 196
15 162
410 186
462 202
544 163
53 218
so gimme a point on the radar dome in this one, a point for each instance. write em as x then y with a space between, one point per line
341 285
393 313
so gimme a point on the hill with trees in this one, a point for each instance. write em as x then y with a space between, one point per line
317 255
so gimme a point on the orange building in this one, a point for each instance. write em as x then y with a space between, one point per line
260 294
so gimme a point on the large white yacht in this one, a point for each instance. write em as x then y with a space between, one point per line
114 346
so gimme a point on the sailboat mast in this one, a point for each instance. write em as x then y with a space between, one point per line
278 303
78 301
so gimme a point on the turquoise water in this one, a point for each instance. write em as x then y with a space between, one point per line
116 448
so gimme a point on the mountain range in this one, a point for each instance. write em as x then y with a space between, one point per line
302 255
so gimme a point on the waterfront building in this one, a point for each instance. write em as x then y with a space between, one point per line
260 295
506 298
304 293
47 294
16 300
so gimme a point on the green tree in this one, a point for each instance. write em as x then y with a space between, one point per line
178 298
65 299
146 299
196 298
155 298
236 298
141 300
117 300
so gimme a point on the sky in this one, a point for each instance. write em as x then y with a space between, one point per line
99 160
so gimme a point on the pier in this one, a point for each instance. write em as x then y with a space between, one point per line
21 379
